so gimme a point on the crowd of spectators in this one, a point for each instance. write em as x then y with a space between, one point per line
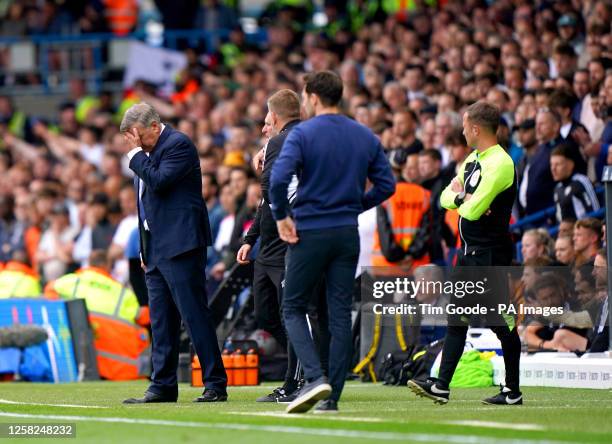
568 272
66 190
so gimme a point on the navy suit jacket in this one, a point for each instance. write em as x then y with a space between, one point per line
172 198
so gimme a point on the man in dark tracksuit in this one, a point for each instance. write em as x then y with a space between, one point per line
269 269
334 156
483 191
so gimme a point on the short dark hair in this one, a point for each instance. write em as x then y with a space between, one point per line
605 62
550 280
484 114
213 179
581 71
409 112
565 150
565 49
240 169
98 258
432 153
455 137
327 85
562 99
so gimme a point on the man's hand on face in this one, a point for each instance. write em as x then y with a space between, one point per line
133 139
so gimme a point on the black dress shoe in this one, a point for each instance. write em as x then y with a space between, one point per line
210 395
150 398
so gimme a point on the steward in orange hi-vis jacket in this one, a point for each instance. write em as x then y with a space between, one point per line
403 226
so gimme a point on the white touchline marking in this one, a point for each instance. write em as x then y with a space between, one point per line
272 386
314 416
8 401
497 425
342 433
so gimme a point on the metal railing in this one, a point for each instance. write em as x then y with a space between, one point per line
532 220
60 58
542 215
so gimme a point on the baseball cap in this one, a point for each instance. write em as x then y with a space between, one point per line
527 124
566 20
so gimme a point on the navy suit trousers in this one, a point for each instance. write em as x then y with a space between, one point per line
333 253
177 290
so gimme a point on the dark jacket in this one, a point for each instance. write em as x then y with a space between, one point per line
175 210
272 249
438 229
540 184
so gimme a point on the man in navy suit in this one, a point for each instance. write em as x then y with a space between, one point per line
174 234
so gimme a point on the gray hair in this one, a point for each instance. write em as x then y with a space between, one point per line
453 118
141 113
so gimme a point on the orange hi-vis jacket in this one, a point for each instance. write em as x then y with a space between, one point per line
122 346
405 211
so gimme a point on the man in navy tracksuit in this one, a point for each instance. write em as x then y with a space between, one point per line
332 156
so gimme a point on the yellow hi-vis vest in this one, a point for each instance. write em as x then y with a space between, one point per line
19 281
121 345
102 293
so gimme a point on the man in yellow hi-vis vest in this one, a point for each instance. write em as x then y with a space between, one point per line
121 343
18 280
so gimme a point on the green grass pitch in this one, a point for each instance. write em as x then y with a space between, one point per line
368 414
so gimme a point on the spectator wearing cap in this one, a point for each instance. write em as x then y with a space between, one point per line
569 32
54 254
574 194
537 185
